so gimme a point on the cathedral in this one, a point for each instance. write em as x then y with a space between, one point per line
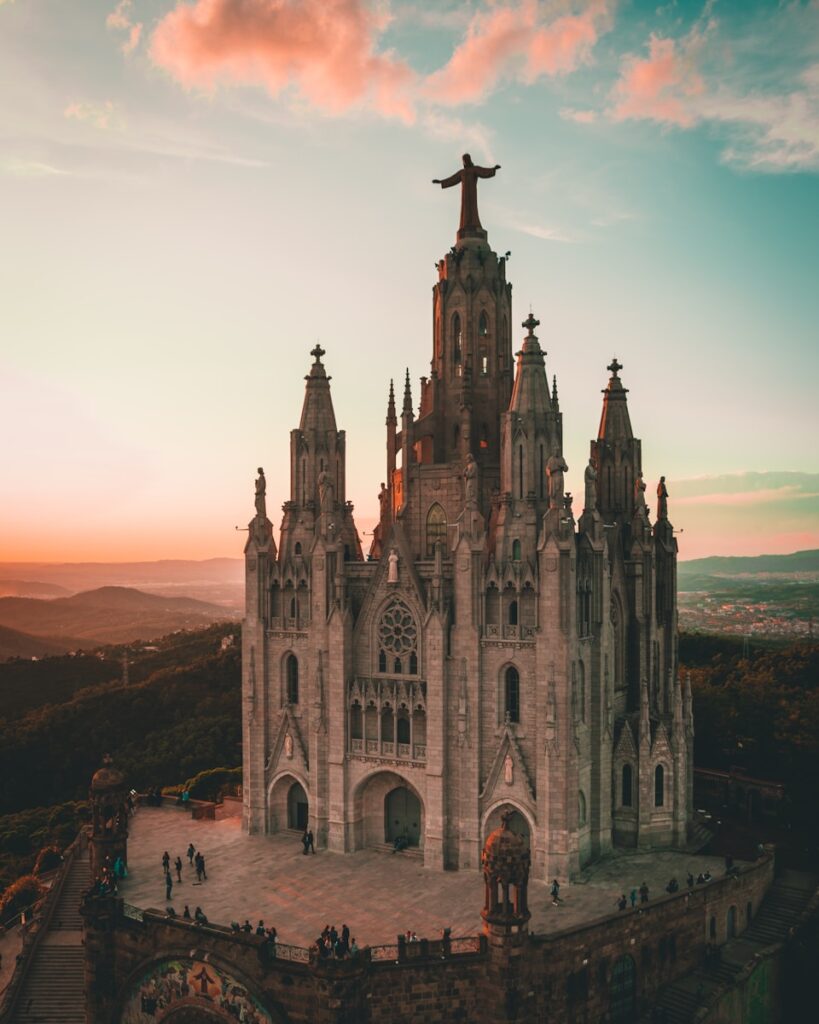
503 648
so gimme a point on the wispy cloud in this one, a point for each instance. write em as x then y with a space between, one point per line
100 115
689 81
30 168
579 116
119 20
516 42
542 231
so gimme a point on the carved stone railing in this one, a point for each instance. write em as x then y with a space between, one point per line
297 954
388 748
492 631
372 747
510 632
420 751
357 746
404 750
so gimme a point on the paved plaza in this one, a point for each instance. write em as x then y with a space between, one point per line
377 894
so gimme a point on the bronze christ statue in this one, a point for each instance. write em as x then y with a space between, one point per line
468 179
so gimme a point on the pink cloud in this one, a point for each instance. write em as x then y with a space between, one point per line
661 86
325 49
101 115
579 116
120 20
514 42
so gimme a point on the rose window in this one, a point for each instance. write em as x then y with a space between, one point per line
398 640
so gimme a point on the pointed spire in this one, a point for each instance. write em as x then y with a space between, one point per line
554 389
391 404
530 393
317 412
615 424
407 410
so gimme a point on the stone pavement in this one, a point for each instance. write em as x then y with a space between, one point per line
377 894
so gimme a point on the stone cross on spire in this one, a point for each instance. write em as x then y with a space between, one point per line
530 323
318 352
467 178
615 367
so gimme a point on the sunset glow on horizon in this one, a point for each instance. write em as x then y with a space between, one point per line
194 193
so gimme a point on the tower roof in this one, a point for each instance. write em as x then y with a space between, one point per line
615 424
317 412
530 393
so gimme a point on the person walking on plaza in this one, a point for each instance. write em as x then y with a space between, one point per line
186 913
305 842
633 897
168 886
345 937
166 862
178 865
191 852
622 903
644 893
309 844
555 891
200 868
202 865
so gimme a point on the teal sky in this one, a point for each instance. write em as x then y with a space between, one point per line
192 194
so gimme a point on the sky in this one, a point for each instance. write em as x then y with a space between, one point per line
192 194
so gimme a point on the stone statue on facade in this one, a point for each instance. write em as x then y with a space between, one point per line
662 499
639 492
392 567
590 478
261 490
384 502
471 482
325 489
508 770
467 178
555 468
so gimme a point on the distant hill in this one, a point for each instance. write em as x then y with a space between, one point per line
797 561
31 588
108 615
15 644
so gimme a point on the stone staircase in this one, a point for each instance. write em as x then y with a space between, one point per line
785 901
410 852
53 987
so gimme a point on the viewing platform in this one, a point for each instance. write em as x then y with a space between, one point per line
376 893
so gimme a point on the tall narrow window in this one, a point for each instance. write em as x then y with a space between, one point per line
456 339
626 795
513 613
403 727
520 470
298 547
436 529
659 786
581 808
515 550
483 325
292 671
511 702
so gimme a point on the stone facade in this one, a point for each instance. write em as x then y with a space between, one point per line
497 649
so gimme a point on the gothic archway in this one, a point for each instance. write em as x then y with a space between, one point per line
297 807
372 805
518 822
286 792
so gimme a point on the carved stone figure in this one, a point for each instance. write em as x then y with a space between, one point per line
467 178
508 770
384 502
471 482
261 490
288 745
662 499
392 571
555 468
639 492
590 478
325 489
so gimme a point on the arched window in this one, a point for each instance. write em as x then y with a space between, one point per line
456 338
298 547
513 613
511 701
387 724
396 667
292 674
483 324
581 808
294 607
397 637
403 727
515 550
356 722
382 661
659 786
436 529
626 788
413 664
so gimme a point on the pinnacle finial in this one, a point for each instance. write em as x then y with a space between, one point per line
530 323
407 394
317 352
614 367
554 387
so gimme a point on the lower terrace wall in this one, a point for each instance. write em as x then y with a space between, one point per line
506 975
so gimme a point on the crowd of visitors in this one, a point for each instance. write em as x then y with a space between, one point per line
332 943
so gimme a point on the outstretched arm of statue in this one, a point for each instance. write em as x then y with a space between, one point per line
487 172
453 179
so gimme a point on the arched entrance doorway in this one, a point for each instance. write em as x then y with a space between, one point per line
517 822
297 807
402 816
